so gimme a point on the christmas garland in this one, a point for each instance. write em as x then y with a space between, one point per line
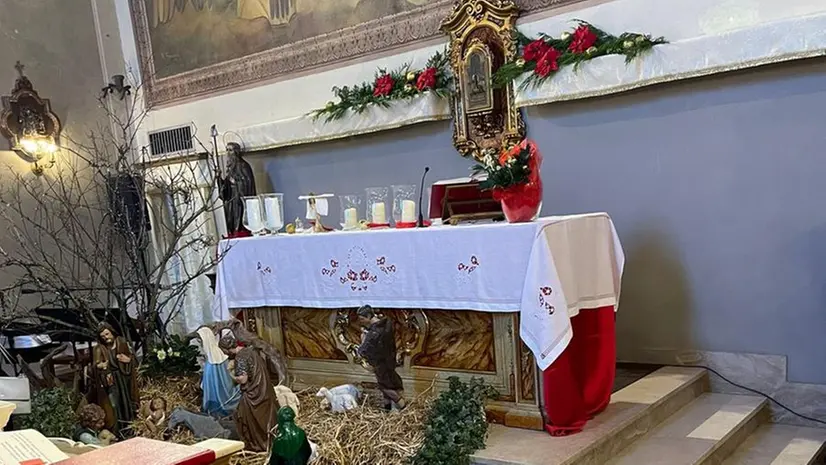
387 87
544 56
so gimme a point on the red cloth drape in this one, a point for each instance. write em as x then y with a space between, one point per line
578 384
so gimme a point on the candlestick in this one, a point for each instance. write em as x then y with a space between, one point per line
408 211
351 218
379 216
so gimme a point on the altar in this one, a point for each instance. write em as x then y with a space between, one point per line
495 301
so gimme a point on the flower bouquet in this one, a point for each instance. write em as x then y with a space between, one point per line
513 175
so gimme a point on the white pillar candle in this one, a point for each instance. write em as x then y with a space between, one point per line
253 212
273 210
378 213
408 211
351 218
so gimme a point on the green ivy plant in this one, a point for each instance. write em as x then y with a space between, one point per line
456 426
175 357
53 413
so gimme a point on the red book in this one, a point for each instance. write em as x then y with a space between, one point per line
142 451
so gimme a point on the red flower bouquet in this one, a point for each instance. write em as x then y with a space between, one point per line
384 85
426 80
513 175
583 39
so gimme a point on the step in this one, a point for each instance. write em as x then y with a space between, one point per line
633 411
702 433
780 445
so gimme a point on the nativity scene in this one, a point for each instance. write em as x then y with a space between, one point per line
159 306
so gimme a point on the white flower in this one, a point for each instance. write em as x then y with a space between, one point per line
565 36
176 354
511 161
161 354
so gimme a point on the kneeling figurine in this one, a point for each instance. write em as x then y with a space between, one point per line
290 445
89 430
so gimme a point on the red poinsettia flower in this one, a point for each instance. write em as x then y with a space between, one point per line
383 86
426 80
548 63
584 38
535 50
506 155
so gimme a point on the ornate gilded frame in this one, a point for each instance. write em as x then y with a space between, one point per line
488 26
345 44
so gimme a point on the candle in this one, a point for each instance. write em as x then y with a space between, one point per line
378 213
273 210
253 211
351 218
408 211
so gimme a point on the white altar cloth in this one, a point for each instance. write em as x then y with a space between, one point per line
536 269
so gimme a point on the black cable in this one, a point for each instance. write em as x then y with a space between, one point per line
753 391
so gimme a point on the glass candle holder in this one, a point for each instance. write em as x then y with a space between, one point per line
253 214
404 205
377 206
350 211
273 209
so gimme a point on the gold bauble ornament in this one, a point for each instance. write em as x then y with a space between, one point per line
520 62
411 76
591 50
290 228
627 44
565 36
330 105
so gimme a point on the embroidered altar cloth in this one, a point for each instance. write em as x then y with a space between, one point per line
546 270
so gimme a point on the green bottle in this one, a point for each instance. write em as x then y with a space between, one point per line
290 445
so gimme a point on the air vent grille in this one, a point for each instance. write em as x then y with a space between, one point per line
170 141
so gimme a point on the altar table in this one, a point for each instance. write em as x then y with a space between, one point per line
455 294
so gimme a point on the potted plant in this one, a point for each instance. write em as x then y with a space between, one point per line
513 175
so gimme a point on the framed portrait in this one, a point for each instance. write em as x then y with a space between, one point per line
193 48
477 88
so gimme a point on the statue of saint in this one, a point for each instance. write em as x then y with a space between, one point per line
256 411
116 369
290 446
378 349
239 182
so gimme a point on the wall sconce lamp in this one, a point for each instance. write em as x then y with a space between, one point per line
28 123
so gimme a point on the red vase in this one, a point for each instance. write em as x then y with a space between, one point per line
521 203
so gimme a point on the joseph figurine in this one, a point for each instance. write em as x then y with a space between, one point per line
239 182
116 370
378 349
256 411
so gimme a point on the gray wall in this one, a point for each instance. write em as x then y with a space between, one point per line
715 185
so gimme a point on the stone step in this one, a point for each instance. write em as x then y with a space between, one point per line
780 445
634 410
704 432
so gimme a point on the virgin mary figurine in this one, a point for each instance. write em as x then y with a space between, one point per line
220 394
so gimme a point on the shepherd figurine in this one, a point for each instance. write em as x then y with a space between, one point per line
378 349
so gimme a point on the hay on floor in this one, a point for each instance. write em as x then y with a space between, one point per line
367 435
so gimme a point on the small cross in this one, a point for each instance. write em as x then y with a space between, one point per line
19 67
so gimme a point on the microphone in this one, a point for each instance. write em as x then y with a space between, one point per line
420 223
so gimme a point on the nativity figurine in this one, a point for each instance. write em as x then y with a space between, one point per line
256 411
220 397
378 349
116 379
154 414
290 445
89 429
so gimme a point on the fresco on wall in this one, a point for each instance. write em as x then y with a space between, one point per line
191 34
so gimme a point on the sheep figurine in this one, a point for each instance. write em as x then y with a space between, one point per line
286 398
341 398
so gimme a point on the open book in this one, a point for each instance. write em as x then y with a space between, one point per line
28 446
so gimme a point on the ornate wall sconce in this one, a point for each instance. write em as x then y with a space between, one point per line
28 123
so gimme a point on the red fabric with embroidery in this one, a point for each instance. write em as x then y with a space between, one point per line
578 384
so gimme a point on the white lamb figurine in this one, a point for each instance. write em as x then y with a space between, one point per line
341 398
286 398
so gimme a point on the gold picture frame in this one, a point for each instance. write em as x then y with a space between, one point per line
484 117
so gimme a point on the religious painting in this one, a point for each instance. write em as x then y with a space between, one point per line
476 80
190 48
